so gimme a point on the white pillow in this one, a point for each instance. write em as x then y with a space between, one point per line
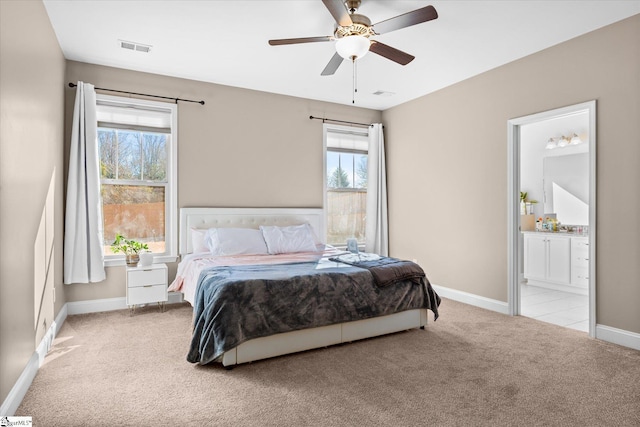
282 240
197 240
235 241
316 240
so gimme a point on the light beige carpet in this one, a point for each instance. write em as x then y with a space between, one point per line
470 368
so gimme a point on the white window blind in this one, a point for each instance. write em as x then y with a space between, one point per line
125 116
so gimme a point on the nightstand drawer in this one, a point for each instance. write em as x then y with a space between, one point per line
146 277
147 294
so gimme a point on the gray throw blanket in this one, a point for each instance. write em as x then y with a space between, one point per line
386 271
238 303
389 271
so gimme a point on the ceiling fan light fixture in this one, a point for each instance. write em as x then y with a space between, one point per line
353 47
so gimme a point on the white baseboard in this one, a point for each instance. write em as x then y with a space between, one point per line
472 299
96 305
604 333
618 336
110 304
20 388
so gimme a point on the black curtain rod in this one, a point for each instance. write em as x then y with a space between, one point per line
144 94
339 121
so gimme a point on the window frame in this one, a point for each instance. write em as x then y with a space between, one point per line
171 187
326 129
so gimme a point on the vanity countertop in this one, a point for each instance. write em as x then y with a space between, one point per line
558 233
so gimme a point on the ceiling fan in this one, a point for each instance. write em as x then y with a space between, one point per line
354 31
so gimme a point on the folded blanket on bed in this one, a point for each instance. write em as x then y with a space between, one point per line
390 271
385 271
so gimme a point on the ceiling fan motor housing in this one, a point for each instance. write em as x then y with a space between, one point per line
361 27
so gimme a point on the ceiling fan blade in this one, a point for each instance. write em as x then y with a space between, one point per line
406 20
339 12
278 42
332 66
391 53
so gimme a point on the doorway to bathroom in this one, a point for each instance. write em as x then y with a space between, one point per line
551 217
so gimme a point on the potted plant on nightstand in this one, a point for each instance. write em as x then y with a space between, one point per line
130 248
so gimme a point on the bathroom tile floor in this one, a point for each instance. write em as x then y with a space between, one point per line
557 307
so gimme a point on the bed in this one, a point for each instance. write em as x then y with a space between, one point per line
256 305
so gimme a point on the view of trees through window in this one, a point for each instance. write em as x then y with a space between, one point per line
351 174
133 169
346 196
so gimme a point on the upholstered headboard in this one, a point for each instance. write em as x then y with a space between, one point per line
246 218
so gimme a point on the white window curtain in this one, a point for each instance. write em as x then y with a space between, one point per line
377 235
83 253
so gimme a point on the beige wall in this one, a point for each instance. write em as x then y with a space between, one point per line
447 167
243 148
31 161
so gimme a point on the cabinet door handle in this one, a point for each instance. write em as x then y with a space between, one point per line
147 286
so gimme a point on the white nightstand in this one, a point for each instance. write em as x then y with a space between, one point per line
146 285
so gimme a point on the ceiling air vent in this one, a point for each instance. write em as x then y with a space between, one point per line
142 48
138 47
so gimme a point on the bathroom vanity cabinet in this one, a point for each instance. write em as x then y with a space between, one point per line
558 261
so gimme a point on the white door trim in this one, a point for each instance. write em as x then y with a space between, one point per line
513 205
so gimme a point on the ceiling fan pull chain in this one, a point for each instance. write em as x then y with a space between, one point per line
355 72
354 80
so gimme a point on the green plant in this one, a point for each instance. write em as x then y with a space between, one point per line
127 246
523 198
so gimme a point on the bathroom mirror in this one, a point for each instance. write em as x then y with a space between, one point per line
566 188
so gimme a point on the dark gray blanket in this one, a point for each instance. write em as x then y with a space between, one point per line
239 303
386 271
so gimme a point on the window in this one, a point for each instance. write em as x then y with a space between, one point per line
138 174
346 154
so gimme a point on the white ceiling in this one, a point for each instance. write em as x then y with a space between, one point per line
225 42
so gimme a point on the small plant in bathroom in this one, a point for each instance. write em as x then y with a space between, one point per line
525 203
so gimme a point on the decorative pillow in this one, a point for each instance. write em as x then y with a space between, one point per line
197 240
282 240
235 241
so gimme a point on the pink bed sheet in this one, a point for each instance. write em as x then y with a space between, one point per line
191 265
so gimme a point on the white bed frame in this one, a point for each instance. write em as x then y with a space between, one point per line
307 339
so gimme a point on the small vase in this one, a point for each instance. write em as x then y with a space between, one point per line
146 259
132 260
